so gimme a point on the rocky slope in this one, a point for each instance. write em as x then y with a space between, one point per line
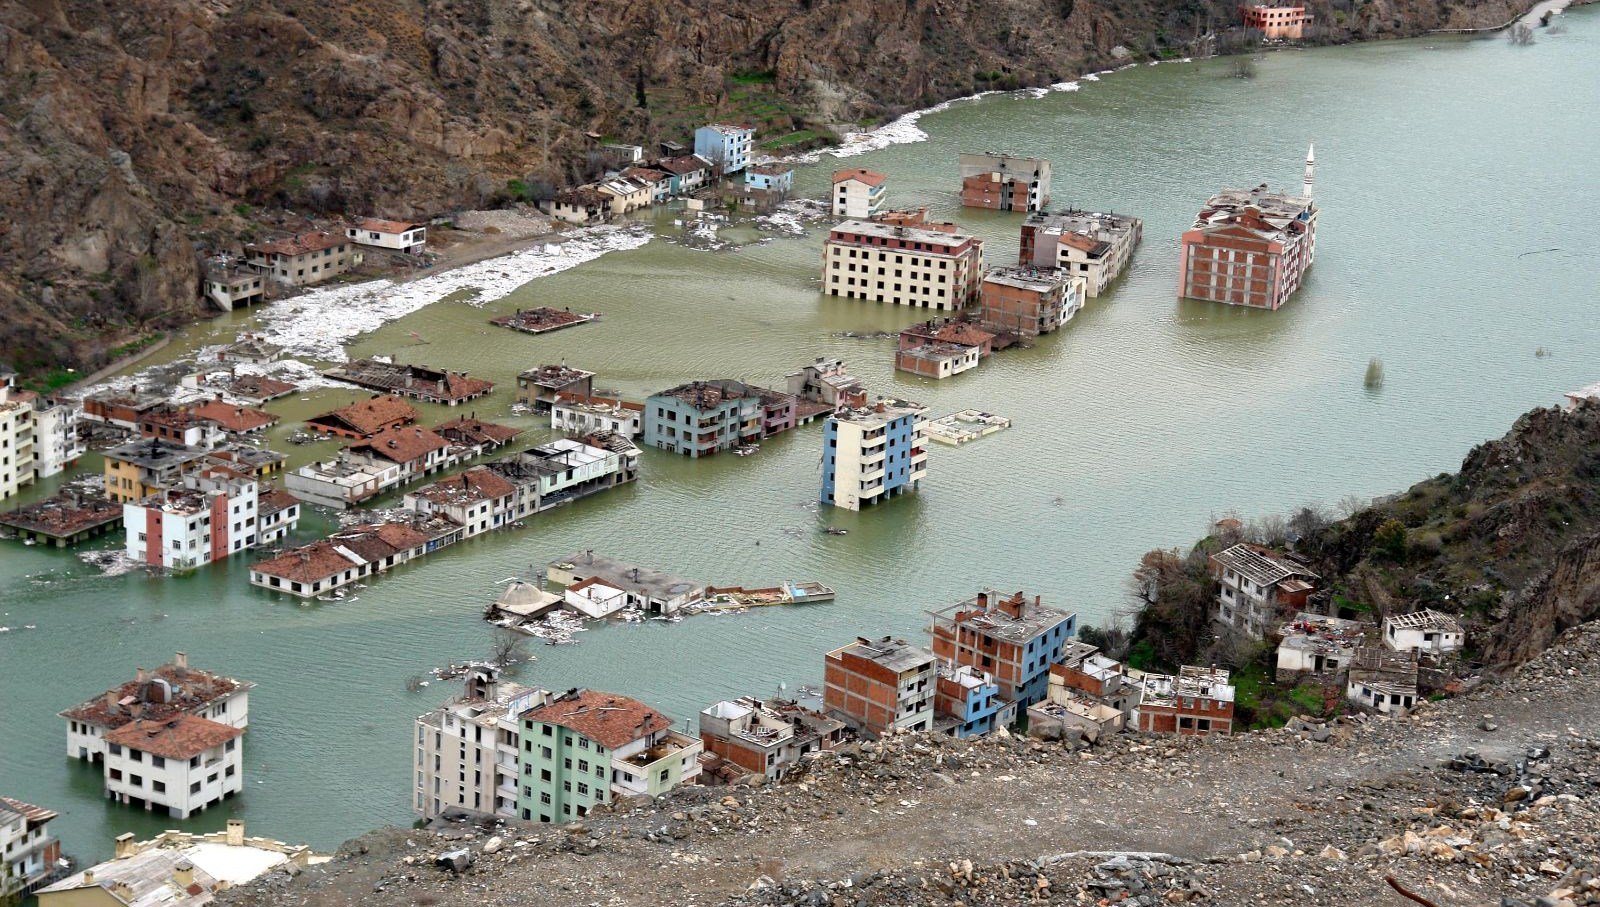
1455 806
133 134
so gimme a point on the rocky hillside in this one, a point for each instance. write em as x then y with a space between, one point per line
1459 809
134 134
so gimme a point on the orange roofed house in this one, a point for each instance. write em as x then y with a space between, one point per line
1250 247
350 555
306 258
876 686
400 236
365 418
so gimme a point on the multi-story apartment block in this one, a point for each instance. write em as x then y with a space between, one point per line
873 453
1086 244
28 851
858 194
826 381
181 763
395 235
138 470
775 178
566 469
277 513
1425 632
1195 701
1259 588
584 747
55 436
478 499
17 436
765 737
880 685
910 266
1004 182
466 749
305 259
967 702
701 418
584 413
726 146
172 689
1276 23
1011 637
120 408
212 515
539 386
1027 302
1250 247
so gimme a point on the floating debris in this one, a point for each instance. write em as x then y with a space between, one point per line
957 429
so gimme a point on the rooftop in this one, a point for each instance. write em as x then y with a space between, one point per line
1426 619
1090 224
367 417
1260 565
687 163
154 453
1192 681
554 376
964 333
627 576
936 351
1039 280
63 515
611 720
413 380
705 395
401 444
301 244
179 737
892 654
234 418
869 177
34 815
145 873
1013 618
385 226
306 564
1261 210
875 230
592 403
470 487
1321 633
168 690
474 431
881 412
769 169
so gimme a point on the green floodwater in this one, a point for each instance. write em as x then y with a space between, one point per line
1458 238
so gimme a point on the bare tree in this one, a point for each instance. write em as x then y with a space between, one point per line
1270 530
1308 522
510 648
1352 504
414 683
1520 35
1244 67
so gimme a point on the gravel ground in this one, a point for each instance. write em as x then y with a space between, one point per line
1494 795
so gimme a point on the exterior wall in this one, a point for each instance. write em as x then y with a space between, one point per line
1022 670
410 241
1003 182
344 488
1424 641
56 444
675 425
16 445
897 274
86 741
943 366
578 418
27 855
309 267
863 464
775 182
461 764
181 786
1276 23
854 199
277 524
1029 313
875 698
1219 266
729 150
553 791
1191 717
1379 697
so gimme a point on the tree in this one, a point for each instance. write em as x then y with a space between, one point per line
638 88
510 648
1244 67
1307 523
1374 377
1390 539
1520 35
1174 594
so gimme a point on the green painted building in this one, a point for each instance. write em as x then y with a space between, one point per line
587 747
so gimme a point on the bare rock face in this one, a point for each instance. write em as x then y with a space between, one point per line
135 135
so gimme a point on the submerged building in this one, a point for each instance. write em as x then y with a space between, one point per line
1250 247
1004 182
910 266
873 453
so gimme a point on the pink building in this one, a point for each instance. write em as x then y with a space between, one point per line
1276 22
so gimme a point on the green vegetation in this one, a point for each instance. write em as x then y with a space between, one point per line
754 77
134 346
801 139
242 209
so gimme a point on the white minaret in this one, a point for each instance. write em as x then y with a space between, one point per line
1311 167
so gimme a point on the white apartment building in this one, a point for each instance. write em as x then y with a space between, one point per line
1426 632
858 194
55 437
171 689
466 749
16 439
478 499
581 414
212 516
305 259
1086 244
181 763
28 851
400 236
277 513
908 266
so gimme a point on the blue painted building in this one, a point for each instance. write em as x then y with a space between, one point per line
1013 638
724 145
967 702
873 453
702 417
772 177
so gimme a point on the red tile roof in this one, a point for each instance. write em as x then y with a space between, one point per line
36 815
869 177
385 226
475 485
688 163
600 401
272 501
646 174
307 564
472 430
300 245
369 417
404 444
179 737
192 689
234 418
612 721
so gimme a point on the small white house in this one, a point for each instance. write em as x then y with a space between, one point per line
389 234
1426 632
182 763
593 598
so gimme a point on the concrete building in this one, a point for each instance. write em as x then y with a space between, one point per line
419 382
29 853
766 737
583 413
212 515
17 436
1010 637
936 360
687 173
968 703
659 181
583 206
726 146
584 748
1250 247
539 386
1259 588
182 763
1027 302
873 453
876 686
233 420
229 286
626 195
305 259
1276 23
1315 645
858 194
909 266
700 418
1425 632
63 520
1084 671
176 869
413 450
278 512
251 350
1383 680
341 482
120 408
394 235
180 425
1088 244
1195 701
826 381
478 499
467 749
351 555
565 470
170 690
774 178
138 470
55 437
1004 182
647 589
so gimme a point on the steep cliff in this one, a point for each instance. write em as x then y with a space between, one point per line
134 134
